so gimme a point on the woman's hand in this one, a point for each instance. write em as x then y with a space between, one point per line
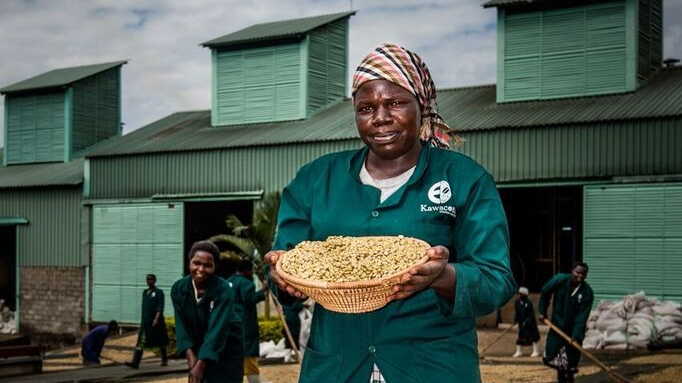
191 358
196 373
271 259
435 273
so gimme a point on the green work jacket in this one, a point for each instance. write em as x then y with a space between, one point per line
570 314
449 200
153 302
524 316
211 328
247 299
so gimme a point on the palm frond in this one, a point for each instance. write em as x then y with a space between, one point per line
235 225
243 244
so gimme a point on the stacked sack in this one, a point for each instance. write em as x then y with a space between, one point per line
632 323
8 323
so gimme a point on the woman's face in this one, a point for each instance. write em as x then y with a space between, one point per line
201 266
388 118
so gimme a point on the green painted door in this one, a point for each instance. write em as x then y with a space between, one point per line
633 240
129 242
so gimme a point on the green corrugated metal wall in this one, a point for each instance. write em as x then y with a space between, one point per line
633 239
244 169
566 52
52 237
327 52
35 128
258 84
650 36
129 242
631 148
96 108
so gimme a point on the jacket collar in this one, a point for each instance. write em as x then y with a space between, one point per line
356 161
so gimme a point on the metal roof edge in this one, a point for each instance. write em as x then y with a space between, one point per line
206 148
108 66
214 43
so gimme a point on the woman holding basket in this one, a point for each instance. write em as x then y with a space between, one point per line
403 182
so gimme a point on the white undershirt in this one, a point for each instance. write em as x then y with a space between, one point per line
387 186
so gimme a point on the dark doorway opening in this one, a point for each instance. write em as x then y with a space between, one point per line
206 219
545 227
8 266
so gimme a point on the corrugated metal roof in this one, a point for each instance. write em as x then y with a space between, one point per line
467 109
507 3
41 174
275 30
475 108
60 77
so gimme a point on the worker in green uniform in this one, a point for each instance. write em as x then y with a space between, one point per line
524 317
152 332
572 301
208 329
247 299
404 181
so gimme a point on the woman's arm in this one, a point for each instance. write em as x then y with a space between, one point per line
484 278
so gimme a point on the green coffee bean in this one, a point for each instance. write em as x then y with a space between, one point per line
348 259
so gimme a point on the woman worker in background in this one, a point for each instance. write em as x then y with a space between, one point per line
208 330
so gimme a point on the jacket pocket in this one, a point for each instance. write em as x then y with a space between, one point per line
320 367
439 360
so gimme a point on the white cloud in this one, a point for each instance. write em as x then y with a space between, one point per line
169 71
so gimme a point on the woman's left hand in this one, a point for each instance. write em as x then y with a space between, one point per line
422 276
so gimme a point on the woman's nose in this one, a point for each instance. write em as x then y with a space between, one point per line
382 116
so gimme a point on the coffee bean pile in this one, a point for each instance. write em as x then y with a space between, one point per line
349 259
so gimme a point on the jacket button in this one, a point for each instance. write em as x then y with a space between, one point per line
375 213
371 349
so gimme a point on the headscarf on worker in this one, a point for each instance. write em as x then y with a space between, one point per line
398 65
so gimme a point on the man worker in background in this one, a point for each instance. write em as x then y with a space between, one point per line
93 342
247 299
572 302
152 331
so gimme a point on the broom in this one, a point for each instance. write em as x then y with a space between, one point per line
480 354
614 375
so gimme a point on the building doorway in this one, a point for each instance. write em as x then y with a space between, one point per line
8 266
206 219
546 230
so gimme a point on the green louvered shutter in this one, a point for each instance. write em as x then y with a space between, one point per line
566 52
129 242
96 108
633 240
260 84
327 65
35 128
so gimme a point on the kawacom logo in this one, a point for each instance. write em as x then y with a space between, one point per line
439 194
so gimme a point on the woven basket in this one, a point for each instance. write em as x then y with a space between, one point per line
348 297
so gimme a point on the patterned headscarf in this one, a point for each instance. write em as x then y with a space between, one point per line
406 69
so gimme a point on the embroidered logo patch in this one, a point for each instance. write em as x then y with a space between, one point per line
440 192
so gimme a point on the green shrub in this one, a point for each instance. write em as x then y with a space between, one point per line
270 329
170 329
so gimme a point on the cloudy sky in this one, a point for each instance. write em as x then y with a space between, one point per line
168 70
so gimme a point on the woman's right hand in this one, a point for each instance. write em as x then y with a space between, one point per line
196 373
191 358
271 259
